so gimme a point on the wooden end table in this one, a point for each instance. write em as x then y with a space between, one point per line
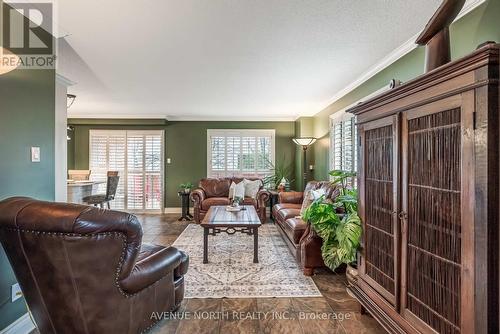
218 220
185 206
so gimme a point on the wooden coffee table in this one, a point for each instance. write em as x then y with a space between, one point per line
218 220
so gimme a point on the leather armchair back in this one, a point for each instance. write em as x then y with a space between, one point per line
215 187
74 262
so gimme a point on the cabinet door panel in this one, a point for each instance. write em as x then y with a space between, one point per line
431 244
378 187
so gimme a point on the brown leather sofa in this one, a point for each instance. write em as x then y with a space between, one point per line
85 270
300 237
216 192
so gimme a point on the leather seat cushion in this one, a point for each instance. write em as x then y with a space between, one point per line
284 214
250 201
207 203
294 228
280 206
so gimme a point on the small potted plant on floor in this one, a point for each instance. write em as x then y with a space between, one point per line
186 187
338 224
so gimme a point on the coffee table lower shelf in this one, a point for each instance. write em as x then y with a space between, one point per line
219 220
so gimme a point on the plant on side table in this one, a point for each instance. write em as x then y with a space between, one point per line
337 222
281 170
186 187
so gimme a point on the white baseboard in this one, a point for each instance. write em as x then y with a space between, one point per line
174 210
23 325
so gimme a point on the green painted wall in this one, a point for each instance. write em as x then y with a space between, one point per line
27 111
185 144
483 24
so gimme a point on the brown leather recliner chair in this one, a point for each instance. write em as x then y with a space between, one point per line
84 270
303 241
216 192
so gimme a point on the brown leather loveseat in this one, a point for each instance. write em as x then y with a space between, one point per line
216 192
85 270
300 237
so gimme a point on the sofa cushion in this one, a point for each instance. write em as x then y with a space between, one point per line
207 203
250 201
280 206
294 228
216 187
284 214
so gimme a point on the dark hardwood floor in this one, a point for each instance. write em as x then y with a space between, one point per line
164 229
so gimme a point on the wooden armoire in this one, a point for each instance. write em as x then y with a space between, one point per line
428 199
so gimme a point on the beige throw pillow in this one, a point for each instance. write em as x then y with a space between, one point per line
309 197
252 187
237 190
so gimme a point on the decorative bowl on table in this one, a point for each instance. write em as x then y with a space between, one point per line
231 208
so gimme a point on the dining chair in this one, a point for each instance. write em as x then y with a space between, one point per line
111 186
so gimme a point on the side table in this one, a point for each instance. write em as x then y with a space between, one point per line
273 199
185 206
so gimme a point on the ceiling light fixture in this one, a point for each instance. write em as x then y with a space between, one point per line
8 61
70 99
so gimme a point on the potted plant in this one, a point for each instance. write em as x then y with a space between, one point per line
281 171
186 187
337 223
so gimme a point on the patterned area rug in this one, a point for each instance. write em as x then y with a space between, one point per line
231 272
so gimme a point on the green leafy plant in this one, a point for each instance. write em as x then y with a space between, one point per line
280 169
237 200
186 186
337 222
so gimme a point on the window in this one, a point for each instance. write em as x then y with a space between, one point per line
343 146
243 153
138 157
343 137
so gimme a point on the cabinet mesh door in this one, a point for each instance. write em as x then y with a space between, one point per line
378 222
434 222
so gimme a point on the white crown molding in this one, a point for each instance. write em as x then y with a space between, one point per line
64 80
23 325
233 118
392 57
113 116
184 118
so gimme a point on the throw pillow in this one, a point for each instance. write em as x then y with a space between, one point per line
309 197
252 187
237 190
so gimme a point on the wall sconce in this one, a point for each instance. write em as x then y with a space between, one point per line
69 128
70 99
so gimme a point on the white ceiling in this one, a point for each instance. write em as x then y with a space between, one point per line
225 59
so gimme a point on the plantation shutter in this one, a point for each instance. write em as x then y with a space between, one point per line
138 157
241 153
343 148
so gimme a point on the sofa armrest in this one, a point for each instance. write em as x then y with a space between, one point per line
197 196
151 269
262 198
295 197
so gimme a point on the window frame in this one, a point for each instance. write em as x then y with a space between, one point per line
239 133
